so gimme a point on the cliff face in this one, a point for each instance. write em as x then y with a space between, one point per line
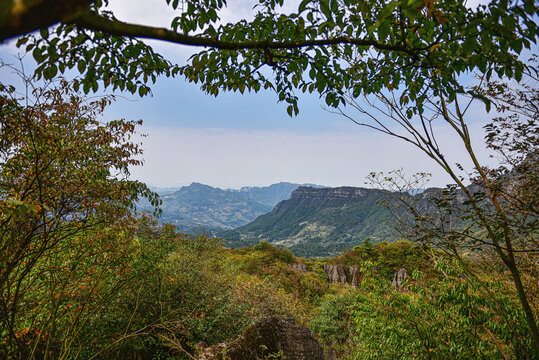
335 274
329 197
344 192
340 274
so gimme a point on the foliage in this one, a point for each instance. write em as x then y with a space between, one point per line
496 213
271 264
388 257
279 253
62 184
143 291
453 318
333 323
190 294
331 47
410 54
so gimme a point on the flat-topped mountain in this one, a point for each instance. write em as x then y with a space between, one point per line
343 192
320 221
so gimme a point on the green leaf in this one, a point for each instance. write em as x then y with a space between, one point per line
383 30
22 41
81 66
325 8
468 46
518 74
303 5
517 45
44 32
37 54
357 91
290 110
50 72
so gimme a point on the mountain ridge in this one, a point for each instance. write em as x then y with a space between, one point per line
207 208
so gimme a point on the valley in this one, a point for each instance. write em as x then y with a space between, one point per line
312 221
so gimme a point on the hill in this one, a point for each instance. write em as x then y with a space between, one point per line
320 221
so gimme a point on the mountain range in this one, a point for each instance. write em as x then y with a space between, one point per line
310 220
207 208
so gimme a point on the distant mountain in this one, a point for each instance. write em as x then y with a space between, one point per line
164 190
208 208
273 194
320 221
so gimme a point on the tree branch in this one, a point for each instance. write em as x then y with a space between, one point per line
93 21
24 16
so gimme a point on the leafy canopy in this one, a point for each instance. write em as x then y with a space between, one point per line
332 47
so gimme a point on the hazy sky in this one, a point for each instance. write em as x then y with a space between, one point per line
246 140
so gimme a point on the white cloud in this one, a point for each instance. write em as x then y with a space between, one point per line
234 158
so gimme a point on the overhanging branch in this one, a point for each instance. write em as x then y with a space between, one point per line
93 21
24 16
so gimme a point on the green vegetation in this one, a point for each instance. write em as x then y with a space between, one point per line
89 279
83 276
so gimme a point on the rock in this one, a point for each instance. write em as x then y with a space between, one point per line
399 277
335 273
269 336
300 268
355 275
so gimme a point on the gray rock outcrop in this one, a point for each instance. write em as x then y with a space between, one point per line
300 268
335 273
355 276
399 277
268 336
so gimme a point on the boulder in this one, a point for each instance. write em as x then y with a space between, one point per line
269 337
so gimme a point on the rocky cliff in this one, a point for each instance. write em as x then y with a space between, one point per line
336 274
343 192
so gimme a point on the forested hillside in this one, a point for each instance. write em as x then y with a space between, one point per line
319 222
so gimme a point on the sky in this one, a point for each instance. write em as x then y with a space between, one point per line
236 140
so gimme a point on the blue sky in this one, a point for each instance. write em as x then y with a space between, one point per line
238 140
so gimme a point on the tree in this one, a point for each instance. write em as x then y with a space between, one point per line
495 216
63 174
